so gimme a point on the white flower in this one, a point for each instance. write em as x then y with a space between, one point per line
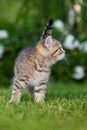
59 25
71 17
1 50
77 8
79 72
3 34
70 42
76 43
83 46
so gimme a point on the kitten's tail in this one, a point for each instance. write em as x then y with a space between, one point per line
48 29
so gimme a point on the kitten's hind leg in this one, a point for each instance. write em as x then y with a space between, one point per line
18 86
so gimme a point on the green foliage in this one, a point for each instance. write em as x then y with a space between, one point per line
65 109
25 19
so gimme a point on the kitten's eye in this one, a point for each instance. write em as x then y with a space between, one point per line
59 48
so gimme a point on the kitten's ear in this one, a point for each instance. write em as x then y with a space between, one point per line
48 42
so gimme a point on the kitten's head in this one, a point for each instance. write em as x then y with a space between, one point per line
48 47
52 49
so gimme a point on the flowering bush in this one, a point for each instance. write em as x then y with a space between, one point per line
77 50
22 26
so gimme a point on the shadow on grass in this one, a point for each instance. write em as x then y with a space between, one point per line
58 95
68 91
60 91
67 96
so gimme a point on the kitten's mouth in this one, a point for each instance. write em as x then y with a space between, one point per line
61 56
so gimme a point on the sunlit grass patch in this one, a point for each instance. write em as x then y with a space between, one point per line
65 109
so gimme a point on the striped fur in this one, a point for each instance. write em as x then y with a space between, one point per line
32 67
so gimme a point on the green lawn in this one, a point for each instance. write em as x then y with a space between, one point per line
65 109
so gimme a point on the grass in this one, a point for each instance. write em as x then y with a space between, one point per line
65 109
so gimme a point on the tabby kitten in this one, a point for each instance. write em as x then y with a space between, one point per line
32 66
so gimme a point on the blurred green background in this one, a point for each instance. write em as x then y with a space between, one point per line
22 23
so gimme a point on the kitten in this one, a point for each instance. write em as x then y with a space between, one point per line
32 66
